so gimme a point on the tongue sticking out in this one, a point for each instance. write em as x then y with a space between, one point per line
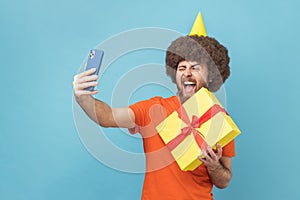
189 89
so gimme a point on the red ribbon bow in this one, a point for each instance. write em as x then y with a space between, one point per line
192 125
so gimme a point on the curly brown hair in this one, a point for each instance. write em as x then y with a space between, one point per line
202 49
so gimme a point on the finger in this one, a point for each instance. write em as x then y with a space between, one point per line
86 92
219 150
212 153
86 73
206 156
202 159
83 86
87 79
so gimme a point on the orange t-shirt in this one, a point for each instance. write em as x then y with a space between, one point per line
164 179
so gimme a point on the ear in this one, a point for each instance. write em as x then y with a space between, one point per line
209 83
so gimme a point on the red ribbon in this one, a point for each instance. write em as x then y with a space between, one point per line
192 125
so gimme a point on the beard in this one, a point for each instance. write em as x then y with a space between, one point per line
180 92
182 98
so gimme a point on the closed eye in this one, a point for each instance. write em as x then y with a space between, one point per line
181 68
196 67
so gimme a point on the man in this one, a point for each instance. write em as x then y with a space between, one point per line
192 62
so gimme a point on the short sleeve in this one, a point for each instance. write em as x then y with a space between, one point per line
229 150
141 113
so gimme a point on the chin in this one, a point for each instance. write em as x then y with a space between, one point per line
184 97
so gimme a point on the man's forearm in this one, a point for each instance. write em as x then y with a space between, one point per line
98 111
220 175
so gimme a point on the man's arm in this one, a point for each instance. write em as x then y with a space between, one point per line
219 168
98 111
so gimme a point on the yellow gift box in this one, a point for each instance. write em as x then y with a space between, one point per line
199 122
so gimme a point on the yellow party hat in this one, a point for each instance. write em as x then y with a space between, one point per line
198 27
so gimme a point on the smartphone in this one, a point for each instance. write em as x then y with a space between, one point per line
94 61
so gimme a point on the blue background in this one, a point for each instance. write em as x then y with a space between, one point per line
43 44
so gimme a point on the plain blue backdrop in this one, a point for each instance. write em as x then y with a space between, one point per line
43 44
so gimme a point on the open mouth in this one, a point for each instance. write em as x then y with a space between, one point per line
189 87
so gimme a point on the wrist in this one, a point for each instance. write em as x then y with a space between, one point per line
82 98
216 167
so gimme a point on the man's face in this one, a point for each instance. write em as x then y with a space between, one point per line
190 77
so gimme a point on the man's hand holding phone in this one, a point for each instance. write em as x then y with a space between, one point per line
85 82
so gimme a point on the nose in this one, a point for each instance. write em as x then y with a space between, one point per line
187 72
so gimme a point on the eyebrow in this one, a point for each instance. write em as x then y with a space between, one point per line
191 65
196 64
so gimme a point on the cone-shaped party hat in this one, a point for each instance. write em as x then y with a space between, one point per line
198 27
